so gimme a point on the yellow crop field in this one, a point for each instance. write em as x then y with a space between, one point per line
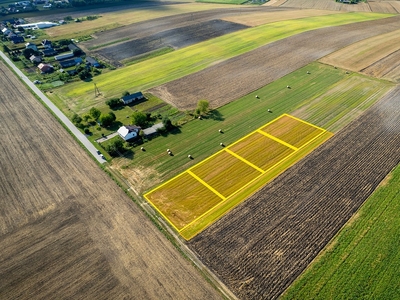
199 196
292 130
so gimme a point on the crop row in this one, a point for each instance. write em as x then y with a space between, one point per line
261 246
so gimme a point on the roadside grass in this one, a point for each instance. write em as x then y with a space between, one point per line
201 138
362 261
174 65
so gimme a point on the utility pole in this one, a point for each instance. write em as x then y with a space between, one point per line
96 91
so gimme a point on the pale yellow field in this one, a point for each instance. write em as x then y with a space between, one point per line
292 131
260 18
126 17
360 55
261 150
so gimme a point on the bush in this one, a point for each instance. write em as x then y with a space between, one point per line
139 118
76 119
86 130
114 102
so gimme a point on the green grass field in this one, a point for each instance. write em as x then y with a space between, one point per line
173 65
201 138
362 261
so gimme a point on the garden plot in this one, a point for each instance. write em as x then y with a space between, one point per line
194 199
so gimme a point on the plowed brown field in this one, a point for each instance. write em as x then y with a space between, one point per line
67 231
236 77
260 247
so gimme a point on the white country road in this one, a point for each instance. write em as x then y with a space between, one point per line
75 131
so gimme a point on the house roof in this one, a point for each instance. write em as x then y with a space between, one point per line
91 61
132 96
48 52
125 130
44 67
46 42
153 129
70 62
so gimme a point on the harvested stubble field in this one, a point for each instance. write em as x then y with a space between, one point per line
67 231
174 38
374 56
177 64
392 7
260 247
220 85
151 27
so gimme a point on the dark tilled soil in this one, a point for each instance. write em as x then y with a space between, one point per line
261 246
152 27
174 38
67 231
236 77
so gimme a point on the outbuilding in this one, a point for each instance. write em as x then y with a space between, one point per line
132 98
64 56
45 68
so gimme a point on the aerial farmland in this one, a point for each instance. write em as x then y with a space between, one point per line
275 168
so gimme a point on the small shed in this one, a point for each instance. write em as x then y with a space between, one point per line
92 62
70 62
153 129
132 98
49 52
129 132
64 56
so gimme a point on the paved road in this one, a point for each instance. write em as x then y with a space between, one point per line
75 131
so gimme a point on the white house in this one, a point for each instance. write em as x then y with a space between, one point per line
129 132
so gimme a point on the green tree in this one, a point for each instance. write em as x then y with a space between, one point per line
76 119
139 118
167 123
114 102
28 52
94 113
202 106
107 119
126 93
6 49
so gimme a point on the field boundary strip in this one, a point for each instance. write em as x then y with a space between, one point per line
223 198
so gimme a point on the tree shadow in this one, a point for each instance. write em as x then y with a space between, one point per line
215 115
130 154
115 126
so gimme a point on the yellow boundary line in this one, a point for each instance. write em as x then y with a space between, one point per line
245 161
231 152
206 184
277 140
159 211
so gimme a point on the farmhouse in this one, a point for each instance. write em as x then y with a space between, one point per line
45 68
49 52
31 46
92 62
47 44
129 132
35 59
70 62
15 39
132 98
64 56
6 31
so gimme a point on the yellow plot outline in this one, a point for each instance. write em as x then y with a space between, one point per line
224 199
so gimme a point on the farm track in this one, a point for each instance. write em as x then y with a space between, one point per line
261 246
265 64
67 231
156 26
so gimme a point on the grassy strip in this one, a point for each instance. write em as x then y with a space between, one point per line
108 44
362 261
220 210
152 54
191 59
